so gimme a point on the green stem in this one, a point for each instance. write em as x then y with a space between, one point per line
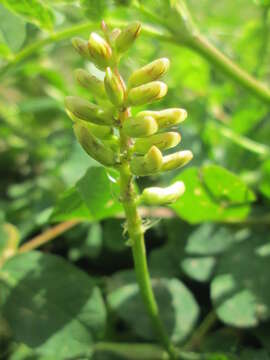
139 351
136 233
264 40
260 149
199 334
201 45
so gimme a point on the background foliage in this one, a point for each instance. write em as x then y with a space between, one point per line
76 297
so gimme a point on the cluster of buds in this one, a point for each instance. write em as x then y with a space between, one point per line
99 126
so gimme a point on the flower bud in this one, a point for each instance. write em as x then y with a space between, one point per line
114 34
93 146
148 164
90 82
84 110
162 141
127 36
100 131
81 47
166 118
140 126
163 196
149 72
147 93
100 51
178 159
114 87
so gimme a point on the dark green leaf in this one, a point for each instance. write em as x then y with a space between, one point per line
178 308
59 310
71 206
100 191
240 290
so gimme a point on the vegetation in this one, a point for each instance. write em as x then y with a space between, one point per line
121 254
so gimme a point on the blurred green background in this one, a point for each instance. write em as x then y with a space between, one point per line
217 245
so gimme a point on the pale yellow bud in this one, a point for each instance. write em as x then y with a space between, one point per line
149 72
148 164
81 46
140 126
147 93
114 87
163 196
176 160
166 118
162 141
93 146
91 83
85 110
100 51
127 36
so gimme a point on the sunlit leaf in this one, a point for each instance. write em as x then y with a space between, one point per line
212 193
35 11
12 29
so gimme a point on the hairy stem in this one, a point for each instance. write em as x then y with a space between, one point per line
136 234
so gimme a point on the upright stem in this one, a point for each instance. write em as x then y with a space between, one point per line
136 233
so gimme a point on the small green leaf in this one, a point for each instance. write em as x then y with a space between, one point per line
212 239
59 310
199 269
100 192
240 290
212 193
70 206
35 11
94 9
12 29
178 308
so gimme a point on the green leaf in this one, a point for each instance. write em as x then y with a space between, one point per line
200 269
265 180
223 339
12 29
71 206
50 305
178 308
113 235
35 11
76 165
249 354
99 190
212 239
90 246
212 193
94 9
240 290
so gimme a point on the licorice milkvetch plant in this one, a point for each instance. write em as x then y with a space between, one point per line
132 145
